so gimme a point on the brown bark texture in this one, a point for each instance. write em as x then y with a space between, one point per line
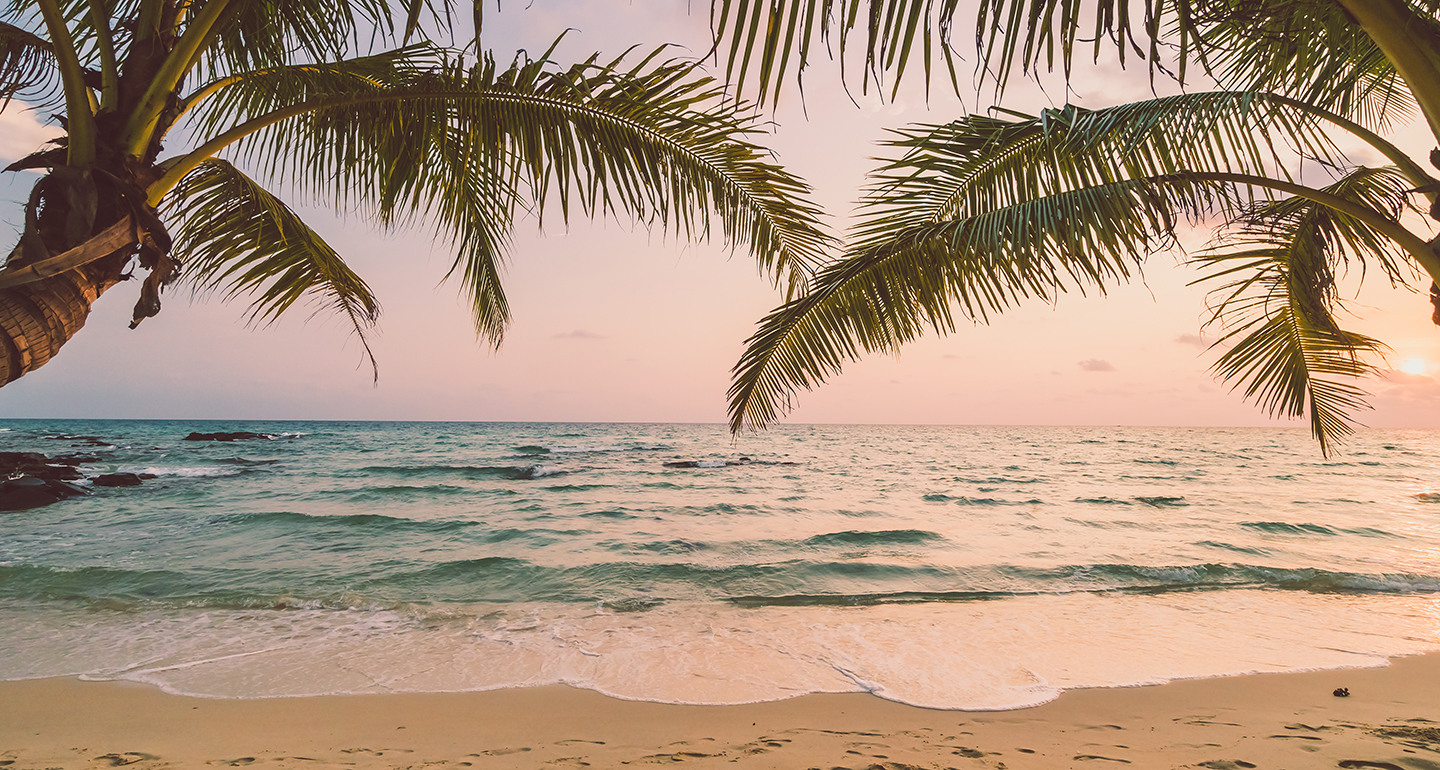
37 318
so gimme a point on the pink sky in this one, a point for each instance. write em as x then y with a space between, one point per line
617 324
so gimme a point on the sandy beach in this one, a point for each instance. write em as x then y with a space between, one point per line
1391 720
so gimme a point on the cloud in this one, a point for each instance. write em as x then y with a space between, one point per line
21 134
1405 378
1193 340
579 334
1096 365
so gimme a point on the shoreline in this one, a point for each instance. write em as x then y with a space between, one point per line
1270 720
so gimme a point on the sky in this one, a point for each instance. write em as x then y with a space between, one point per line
616 323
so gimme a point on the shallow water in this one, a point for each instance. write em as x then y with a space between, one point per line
952 567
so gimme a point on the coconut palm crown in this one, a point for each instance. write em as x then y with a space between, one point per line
967 218
348 104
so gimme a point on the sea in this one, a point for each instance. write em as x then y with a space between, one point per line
948 567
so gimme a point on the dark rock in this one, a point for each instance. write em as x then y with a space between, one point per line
118 480
35 464
147 476
24 481
26 492
66 489
240 435
19 498
723 463
16 459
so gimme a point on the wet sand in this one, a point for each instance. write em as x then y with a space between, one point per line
1390 721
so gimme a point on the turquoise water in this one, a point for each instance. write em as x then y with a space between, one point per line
950 567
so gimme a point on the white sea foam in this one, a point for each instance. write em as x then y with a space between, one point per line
980 656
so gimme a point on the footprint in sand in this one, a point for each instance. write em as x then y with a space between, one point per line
126 758
1362 763
1303 726
241 762
501 752
1093 757
1225 764
573 741
679 756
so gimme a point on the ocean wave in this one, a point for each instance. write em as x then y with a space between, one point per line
1285 528
998 480
195 471
510 472
380 524
392 493
1248 550
368 521
983 501
883 537
1162 501
502 579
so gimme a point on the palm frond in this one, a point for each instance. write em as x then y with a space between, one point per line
980 163
980 262
765 39
237 239
1312 52
984 212
1308 49
27 66
240 96
1279 300
652 141
263 34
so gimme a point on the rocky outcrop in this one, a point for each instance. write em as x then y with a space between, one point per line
121 479
33 480
239 435
723 463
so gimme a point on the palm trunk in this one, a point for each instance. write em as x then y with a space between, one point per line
39 317
43 304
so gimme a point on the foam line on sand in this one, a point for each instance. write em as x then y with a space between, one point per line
1390 721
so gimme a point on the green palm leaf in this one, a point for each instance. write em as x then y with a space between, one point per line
1279 302
1313 52
1307 49
765 39
244 94
27 66
984 212
981 262
979 163
238 239
457 145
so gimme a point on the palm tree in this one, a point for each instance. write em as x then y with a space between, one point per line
405 131
970 217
